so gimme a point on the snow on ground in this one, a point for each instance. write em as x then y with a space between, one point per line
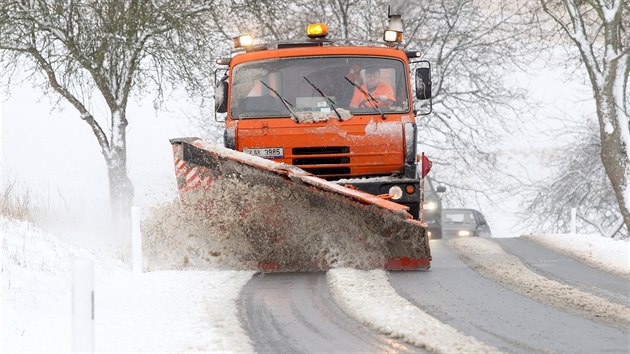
489 259
368 297
166 311
607 254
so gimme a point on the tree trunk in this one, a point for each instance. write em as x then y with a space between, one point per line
614 151
120 190
616 165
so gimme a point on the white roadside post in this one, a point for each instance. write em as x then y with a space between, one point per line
136 240
573 221
82 306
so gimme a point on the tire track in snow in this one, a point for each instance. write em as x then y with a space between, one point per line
368 297
295 313
489 259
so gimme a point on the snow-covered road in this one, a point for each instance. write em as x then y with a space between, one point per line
296 313
467 302
476 304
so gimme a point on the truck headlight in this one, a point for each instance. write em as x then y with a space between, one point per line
464 233
396 192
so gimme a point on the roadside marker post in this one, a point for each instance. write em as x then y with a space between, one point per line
82 305
573 221
136 240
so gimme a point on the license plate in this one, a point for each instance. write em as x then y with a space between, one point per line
268 153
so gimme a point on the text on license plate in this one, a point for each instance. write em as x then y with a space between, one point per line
267 153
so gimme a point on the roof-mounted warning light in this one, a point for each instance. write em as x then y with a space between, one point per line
393 34
317 30
245 40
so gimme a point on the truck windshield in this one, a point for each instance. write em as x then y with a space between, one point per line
384 79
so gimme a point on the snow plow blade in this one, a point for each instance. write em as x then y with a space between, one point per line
292 220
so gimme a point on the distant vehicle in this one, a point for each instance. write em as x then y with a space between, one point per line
464 222
433 208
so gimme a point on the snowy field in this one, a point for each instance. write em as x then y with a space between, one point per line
195 311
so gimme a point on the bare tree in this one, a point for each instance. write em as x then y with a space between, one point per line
278 20
473 46
111 48
578 181
599 30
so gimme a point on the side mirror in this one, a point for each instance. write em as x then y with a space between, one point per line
423 83
440 189
221 96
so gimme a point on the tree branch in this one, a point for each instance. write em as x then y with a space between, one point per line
85 114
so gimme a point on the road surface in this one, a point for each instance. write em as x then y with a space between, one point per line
457 295
296 312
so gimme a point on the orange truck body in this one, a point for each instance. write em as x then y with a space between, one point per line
333 179
377 152
380 152
366 145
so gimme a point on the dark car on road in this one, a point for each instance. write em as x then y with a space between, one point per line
464 223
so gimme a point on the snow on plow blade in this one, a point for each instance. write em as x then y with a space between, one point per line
292 220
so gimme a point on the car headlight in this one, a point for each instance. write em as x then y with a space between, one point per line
464 233
396 192
430 206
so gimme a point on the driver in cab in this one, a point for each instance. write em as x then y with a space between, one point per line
382 92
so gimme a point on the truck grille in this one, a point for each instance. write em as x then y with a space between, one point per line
323 150
336 171
321 161
311 159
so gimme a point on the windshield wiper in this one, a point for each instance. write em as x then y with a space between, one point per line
371 99
284 101
330 102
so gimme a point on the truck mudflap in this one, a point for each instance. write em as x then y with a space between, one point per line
292 220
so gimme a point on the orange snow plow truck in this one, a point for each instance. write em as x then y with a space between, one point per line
319 166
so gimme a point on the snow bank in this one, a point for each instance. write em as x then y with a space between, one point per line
171 311
28 247
492 261
610 255
368 297
165 311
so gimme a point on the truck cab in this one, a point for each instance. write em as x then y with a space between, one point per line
344 113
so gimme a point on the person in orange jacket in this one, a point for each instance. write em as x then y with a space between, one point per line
382 92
